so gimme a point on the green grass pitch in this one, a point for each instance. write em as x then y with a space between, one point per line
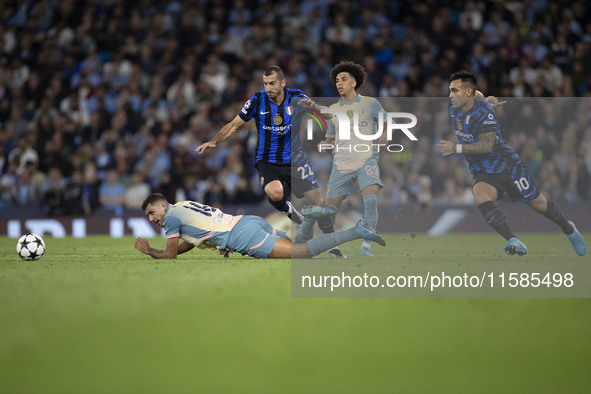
96 316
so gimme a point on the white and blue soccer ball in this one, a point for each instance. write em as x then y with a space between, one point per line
30 247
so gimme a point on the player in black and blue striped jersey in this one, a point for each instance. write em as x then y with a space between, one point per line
279 156
495 167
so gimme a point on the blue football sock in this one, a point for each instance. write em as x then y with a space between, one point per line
326 242
370 202
306 230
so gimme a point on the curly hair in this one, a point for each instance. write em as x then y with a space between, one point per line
355 70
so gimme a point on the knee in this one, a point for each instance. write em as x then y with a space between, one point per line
274 193
484 192
540 205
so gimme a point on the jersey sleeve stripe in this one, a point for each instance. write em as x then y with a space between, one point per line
175 235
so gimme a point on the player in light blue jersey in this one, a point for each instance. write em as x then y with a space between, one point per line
354 159
280 160
202 226
496 168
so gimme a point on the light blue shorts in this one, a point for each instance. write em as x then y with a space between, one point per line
253 236
340 184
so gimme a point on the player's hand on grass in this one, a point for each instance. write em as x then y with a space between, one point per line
225 252
494 101
201 148
447 147
142 244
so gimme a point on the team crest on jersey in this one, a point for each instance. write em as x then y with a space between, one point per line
460 126
289 110
350 114
363 112
262 180
277 119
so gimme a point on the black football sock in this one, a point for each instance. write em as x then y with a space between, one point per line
326 224
554 213
280 205
496 219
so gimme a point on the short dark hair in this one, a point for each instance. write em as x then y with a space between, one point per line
356 70
151 199
465 76
274 69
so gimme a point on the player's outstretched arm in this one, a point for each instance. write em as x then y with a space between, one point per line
185 247
171 251
447 147
307 102
485 144
222 135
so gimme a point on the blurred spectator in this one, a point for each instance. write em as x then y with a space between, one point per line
72 195
471 17
23 153
550 181
551 76
8 182
167 188
53 192
136 192
454 194
495 29
215 195
2 157
29 185
339 33
244 194
90 188
112 193
134 86
532 156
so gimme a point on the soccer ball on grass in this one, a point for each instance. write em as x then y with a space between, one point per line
30 247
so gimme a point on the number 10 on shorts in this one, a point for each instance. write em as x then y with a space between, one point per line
522 184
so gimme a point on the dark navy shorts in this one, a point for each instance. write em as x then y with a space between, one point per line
518 183
297 179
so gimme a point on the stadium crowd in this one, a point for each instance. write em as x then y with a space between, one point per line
104 101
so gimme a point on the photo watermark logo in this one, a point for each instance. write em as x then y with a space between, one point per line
363 129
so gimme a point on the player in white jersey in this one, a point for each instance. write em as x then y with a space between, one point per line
209 228
355 159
